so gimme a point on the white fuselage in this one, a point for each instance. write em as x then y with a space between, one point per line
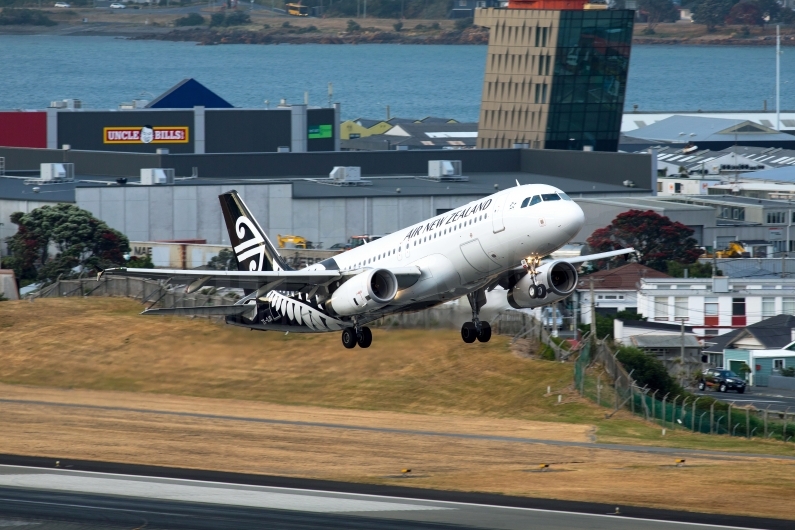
466 248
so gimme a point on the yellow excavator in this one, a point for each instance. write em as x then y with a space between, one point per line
734 250
295 241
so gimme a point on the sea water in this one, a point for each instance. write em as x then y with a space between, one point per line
413 80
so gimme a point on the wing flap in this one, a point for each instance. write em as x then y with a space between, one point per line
210 310
291 280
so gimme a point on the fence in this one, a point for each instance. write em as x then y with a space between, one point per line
695 413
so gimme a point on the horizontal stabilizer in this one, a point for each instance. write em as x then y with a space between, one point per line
209 310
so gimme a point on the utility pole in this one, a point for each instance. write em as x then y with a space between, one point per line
682 351
778 78
593 311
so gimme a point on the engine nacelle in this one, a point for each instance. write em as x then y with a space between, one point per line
559 277
364 292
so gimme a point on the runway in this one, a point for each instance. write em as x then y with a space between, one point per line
47 499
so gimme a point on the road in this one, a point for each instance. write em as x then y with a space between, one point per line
758 397
66 499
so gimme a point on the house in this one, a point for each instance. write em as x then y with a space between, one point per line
668 349
714 306
765 347
614 290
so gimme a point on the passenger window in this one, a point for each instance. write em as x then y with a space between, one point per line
550 197
525 202
535 200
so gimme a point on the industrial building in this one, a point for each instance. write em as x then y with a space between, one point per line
187 118
556 75
292 193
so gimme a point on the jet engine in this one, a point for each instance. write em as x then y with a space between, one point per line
559 277
364 292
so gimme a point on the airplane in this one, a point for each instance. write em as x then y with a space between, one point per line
495 241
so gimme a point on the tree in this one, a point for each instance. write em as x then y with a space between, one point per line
694 270
656 238
224 261
191 19
746 14
712 13
658 11
398 26
81 242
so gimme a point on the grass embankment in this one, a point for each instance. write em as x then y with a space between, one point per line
188 393
103 344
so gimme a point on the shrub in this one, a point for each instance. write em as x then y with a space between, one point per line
353 26
398 26
648 371
237 18
788 372
420 26
436 25
463 23
24 17
192 19
287 24
217 19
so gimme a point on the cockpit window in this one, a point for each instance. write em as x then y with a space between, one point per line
564 196
550 197
525 202
535 200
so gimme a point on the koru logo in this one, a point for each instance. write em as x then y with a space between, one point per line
249 248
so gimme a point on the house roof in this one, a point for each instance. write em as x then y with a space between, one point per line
664 341
703 129
187 94
772 333
623 278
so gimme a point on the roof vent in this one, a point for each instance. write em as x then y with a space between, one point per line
347 176
445 171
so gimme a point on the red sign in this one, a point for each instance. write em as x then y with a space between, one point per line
145 135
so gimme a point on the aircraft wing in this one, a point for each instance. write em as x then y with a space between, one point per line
602 255
261 281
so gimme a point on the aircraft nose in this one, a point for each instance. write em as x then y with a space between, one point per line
573 219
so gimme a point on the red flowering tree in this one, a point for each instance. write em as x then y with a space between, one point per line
656 238
62 239
746 14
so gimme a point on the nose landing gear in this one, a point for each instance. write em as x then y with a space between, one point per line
476 330
537 290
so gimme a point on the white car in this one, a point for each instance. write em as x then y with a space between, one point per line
62 4
117 6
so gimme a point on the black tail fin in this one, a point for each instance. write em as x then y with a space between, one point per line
251 245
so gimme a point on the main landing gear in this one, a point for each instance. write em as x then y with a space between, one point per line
351 337
476 330
537 290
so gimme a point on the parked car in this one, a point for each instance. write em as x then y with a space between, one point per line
117 6
62 4
722 380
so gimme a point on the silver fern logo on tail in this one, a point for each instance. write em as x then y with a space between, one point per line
244 250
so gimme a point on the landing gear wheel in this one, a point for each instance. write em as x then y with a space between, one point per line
532 292
541 290
485 332
349 338
468 332
365 337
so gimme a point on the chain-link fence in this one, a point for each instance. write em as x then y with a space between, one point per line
599 376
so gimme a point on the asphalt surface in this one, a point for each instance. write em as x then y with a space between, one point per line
65 499
758 397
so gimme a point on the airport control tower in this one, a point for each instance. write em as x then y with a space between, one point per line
556 74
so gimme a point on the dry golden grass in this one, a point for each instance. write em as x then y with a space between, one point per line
99 351
615 477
